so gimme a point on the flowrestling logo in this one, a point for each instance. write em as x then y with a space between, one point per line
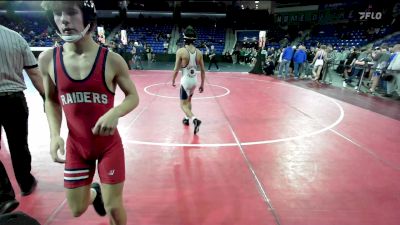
370 15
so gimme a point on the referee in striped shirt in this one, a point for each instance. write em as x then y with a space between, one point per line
15 55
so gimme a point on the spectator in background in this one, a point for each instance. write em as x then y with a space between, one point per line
380 57
138 56
291 64
359 66
339 61
348 65
269 66
213 58
148 52
330 60
287 55
307 64
257 61
277 58
153 55
235 55
125 53
120 49
319 61
242 54
393 84
227 57
299 58
165 46
133 58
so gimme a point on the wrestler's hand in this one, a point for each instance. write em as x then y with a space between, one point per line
106 124
201 89
57 145
173 83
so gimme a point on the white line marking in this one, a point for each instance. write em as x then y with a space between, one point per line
227 91
55 212
137 116
259 185
212 145
372 153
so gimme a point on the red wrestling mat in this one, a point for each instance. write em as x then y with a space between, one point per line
268 152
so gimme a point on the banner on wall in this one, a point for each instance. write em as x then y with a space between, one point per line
101 35
124 37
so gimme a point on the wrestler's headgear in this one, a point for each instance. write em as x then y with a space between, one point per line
89 21
189 35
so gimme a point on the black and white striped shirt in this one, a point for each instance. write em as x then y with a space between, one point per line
15 55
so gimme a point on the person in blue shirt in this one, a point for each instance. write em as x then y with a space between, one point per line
299 58
286 58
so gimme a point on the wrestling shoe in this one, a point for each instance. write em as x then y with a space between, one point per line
8 206
185 121
98 201
196 123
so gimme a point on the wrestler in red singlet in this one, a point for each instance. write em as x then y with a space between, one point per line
84 102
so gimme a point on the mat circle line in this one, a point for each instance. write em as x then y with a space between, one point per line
233 144
227 91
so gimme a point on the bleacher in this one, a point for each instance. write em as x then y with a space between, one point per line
147 34
395 39
212 36
207 36
35 30
346 37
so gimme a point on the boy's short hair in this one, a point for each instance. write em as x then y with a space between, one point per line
87 7
189 35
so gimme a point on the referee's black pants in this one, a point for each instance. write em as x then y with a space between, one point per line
6 190
213 61
14 119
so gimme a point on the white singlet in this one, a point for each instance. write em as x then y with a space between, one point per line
189 74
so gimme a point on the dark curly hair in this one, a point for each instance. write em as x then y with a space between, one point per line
189 35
